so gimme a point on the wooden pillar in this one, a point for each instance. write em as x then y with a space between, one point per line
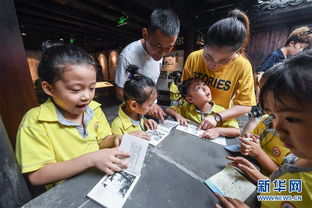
17 93
14 191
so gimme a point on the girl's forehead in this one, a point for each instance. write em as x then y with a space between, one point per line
284 102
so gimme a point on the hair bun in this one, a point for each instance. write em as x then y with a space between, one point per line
49 44
132 69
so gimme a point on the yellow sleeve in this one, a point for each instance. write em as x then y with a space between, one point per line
231 124
117 127
177 108
104 129
33 147
260 127
245 92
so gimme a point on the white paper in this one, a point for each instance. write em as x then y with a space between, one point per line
162 131
191 129
113 191
168 124
231 184
156 136
137 148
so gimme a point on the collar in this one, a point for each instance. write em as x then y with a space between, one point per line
126 120
212 109
48 110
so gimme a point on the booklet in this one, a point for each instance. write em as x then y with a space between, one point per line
230 183
191 129
162 131
112 191
233 148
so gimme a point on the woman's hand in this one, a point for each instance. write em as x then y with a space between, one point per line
150 124
207 123
109 160
141 134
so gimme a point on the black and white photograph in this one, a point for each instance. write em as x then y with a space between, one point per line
119 183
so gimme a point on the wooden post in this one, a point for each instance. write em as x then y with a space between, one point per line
14 191
17 93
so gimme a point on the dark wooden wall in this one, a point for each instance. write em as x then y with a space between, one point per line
264 40
17 93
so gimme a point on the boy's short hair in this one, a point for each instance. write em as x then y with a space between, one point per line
183 88
165 20
300 35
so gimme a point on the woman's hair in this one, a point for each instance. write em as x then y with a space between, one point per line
183 88
232 32
292 78
138 87
58 57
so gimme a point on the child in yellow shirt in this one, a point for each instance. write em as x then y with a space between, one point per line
140 94
200 105
66 135
266 146
287 97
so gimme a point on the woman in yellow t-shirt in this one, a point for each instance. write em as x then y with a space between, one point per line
223 66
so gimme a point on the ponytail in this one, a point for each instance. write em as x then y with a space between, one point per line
233 31
138 87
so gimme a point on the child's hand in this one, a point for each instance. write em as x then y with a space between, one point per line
150 124
117 140
247 167
211 133
108 160
183 121
230 202
251 148
207 123
141 134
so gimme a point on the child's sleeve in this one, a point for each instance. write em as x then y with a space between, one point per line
230 124
117 127
33 148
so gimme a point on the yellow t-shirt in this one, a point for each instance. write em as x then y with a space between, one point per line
174 92
122 124
270 142
291 172
232 81
42 139
189 111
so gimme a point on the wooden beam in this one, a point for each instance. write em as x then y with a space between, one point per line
17 94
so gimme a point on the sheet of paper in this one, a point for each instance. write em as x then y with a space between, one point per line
157 135
112 191
191 129
168 124
233 148
137 148
230 183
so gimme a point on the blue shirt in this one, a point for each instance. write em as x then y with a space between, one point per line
273 58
